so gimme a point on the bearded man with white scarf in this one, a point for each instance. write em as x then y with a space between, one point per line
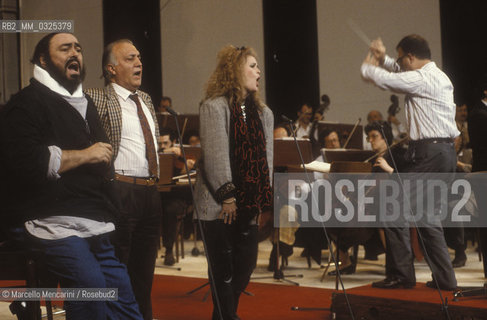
57 164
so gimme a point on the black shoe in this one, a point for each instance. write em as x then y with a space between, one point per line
393 283
350 269
370 256
169 259
432 285
460 260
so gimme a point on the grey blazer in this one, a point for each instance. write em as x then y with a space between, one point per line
214 169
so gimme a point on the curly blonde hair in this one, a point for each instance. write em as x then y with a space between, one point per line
227 79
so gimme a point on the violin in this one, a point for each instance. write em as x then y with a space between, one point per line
380 153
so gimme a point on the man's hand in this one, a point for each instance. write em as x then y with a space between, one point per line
378 50
98 153
371 59
175 150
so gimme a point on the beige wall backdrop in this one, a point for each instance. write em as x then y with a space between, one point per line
88 28
192 32
341 51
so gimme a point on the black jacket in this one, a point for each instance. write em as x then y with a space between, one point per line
32 120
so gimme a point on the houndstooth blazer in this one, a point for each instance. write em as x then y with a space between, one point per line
110 112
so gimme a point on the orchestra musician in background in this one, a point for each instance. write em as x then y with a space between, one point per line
174 203
302 126
233 186
379 134
165 103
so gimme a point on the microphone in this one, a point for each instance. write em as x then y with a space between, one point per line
285 118
295 141
171 111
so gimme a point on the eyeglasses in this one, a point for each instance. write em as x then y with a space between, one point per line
373 136
399 59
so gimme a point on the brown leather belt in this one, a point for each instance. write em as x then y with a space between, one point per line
135 180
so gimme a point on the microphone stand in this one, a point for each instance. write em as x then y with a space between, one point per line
278 267
200 226
297 308
444 301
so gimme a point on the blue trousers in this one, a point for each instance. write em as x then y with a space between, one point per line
88 263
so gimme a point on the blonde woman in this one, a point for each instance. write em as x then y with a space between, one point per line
234 181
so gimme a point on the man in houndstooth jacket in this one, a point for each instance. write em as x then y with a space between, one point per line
129 119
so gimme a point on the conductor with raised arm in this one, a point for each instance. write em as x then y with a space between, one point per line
430 114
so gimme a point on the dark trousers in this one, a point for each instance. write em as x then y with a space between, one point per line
233 256
427 157
479 185
455 238
136 238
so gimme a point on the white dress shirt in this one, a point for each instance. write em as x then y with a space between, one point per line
430 109
131 159
301 132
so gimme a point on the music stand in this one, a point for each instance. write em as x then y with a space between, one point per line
166 164
343 130
193 153
286 154
346 167
346 155
165 121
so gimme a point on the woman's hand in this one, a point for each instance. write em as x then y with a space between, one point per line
229 211
382 163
